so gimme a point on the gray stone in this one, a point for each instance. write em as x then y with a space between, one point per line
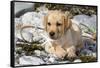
89 21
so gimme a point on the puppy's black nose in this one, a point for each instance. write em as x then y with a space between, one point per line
52 33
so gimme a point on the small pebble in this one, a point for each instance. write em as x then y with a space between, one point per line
37 52
51 59
64 61
77 60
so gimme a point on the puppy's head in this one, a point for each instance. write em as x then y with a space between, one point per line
56 23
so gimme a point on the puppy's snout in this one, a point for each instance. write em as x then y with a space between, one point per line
52 33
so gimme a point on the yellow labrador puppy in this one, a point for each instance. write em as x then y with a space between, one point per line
66 35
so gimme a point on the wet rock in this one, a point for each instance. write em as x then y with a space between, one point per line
21 8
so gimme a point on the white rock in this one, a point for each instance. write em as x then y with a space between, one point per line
28 18
32 18
29 60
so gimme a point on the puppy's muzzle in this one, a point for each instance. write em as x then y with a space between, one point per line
52 34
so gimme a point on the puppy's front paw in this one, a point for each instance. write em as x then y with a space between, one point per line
71 53
60 52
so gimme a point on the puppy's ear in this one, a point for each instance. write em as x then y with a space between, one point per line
45 22
67 22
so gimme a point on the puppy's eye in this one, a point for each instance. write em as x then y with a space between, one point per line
49 23
58 24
